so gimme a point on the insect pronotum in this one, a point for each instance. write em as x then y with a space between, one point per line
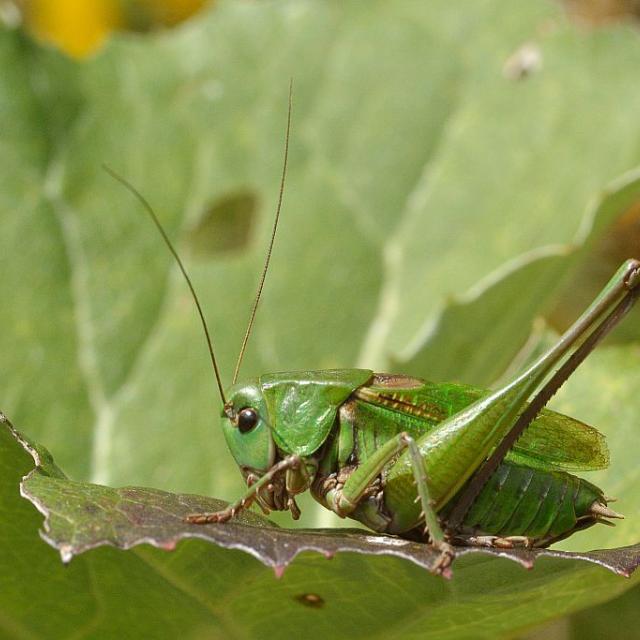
444 463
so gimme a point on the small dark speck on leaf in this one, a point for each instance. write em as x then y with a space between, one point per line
224 226
312 600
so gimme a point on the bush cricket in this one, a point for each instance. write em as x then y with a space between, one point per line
444 463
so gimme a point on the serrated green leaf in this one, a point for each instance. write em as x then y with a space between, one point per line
223 593
82 516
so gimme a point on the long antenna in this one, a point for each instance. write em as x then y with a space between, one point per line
252 317
151 212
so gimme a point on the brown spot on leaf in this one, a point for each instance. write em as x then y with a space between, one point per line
312 600
225 225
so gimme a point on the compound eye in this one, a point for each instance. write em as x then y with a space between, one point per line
247 419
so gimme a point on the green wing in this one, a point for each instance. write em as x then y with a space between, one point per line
552 441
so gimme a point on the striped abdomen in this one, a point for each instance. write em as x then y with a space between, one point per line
542 505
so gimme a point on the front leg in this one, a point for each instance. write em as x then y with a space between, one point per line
290 462
344 500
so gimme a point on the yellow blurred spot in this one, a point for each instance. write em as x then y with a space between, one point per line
78 27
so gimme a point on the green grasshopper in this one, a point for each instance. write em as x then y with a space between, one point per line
444 463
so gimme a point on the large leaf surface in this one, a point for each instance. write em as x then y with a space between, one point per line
434 208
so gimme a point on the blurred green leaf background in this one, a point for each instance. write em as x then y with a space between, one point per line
462 181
